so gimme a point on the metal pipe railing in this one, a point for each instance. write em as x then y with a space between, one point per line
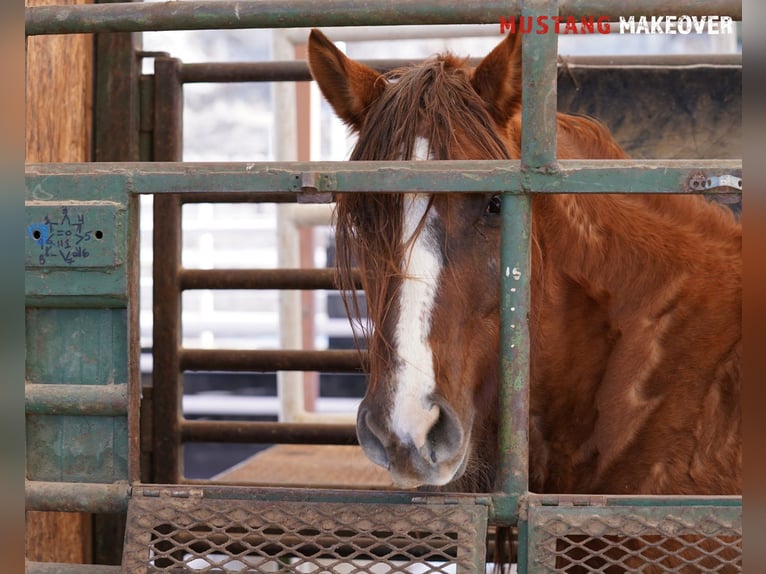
333 361
497 176
298 70
228 14
50 399
66 568
257 279
77 496
267 432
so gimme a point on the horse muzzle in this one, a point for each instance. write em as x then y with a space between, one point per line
437 459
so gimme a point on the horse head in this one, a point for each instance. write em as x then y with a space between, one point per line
429 262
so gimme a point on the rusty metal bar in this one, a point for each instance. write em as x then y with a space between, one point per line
302 279
77 496
166 297
228 14
284 71
66 568
298 70
267 432
49 399
240 197
334 361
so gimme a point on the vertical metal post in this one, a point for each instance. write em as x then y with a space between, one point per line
167 379
538 151
115 138
538 98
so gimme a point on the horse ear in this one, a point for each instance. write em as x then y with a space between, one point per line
497 79
349 86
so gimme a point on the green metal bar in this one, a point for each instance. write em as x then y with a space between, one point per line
198 15
66 568
191 488
50 399
77 497
538 150
516 269
538 97
570 176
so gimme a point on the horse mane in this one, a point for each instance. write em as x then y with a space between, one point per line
435 101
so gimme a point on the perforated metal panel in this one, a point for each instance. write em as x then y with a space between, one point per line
684 539
186 531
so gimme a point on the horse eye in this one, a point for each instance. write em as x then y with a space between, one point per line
494 205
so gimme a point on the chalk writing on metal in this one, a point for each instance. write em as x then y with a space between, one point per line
63 238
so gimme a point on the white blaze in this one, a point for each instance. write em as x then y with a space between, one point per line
413 414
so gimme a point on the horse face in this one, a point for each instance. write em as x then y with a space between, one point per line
429 263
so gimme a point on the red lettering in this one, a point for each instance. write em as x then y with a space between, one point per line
571 26
542 25
509 25
603 25
529 23
587 24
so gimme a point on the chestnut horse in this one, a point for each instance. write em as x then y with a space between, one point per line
635 300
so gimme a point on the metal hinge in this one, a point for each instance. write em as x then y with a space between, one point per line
150 492
568 500
726 180
442 500
699 182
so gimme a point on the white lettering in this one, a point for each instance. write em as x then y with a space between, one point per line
656 25
699 24
727 26
684 25
627 26
712 25
676 25
671 24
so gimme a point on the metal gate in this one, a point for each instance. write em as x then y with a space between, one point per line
83 427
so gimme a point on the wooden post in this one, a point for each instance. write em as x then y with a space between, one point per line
59 104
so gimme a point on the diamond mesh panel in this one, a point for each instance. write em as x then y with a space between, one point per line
635 539
171 534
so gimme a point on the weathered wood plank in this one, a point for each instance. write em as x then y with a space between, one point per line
58 109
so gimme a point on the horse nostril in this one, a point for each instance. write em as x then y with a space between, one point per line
446 435
368 439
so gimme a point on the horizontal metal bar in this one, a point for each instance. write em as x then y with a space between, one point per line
49 399
257 279
215 490
228 14
240 197
67 568
285 71
298 70
333 361
566 176
77 496
267 432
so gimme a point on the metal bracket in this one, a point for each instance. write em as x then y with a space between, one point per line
725 180
700 182
315 188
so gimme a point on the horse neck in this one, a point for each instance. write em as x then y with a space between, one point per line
607 242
